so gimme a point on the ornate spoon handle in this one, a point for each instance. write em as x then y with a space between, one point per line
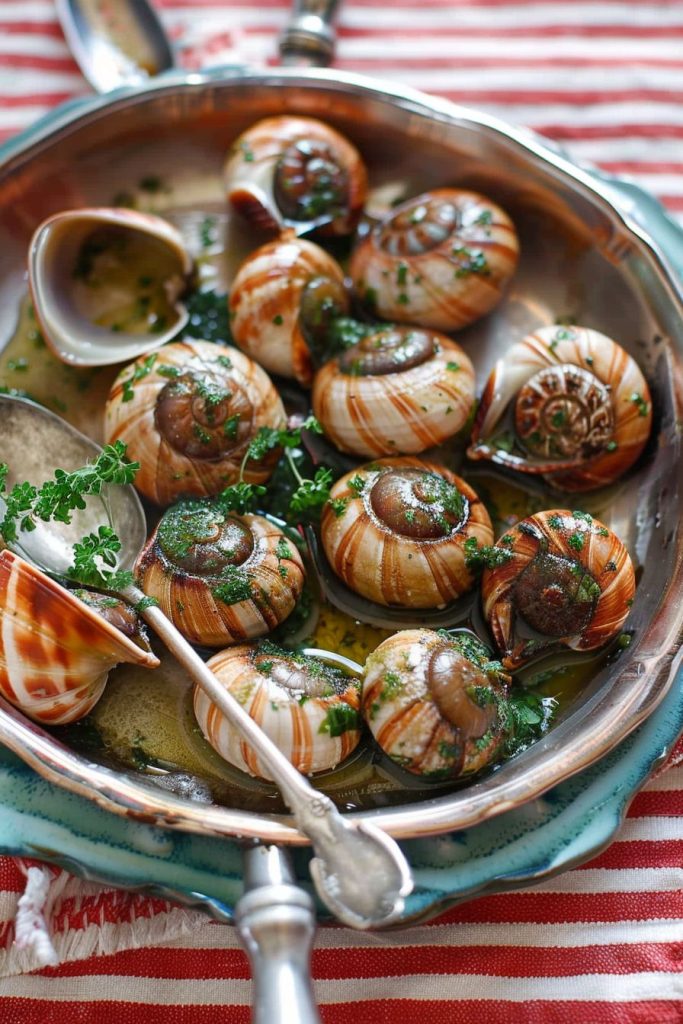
309 37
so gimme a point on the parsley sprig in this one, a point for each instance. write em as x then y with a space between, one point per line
309 495
57 500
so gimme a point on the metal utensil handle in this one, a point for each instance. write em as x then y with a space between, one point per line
309 38
275 921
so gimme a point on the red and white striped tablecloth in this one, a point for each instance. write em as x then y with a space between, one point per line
602 944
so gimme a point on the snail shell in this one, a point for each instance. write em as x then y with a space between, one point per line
436 703
287 169
55 651
400 390
580 409
439 260
187 415
269 297
566 576
309 710
221 578
395 532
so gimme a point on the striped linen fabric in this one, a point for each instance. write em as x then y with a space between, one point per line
602 944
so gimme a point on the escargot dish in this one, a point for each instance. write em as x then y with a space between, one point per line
563 580
568 403
308 708
397 391
273 291
436 702
55 651
439 260
220 577
187 415
290 169
395 531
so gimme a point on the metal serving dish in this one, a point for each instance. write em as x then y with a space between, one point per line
583 256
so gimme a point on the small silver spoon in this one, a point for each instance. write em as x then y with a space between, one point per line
359 872
115 44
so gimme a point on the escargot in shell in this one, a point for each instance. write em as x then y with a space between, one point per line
309 709
220 577
439 260
187 415
55 650
296 169
563 580
567 403
273 303
395 532
398 390
435 702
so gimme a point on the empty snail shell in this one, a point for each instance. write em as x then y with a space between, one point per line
220 577
399 390
275 291
395 531
567 403
187 415
439 260
563 579
285 170
55 651
309 709
436 702
106 284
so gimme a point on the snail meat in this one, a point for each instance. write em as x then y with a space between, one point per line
220 577
55 650
275 299
436 702
567 403
285 170
188 414
439 260
400 390
395 531
308 708
565 580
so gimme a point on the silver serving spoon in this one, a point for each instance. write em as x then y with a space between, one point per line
359 872
115 44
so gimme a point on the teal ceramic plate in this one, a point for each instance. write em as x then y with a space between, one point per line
545 833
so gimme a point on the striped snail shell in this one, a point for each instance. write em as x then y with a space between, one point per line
55 651
220 577
399 390
296 169
436 703
439 260
187 415
275 298
567 403
308 709
395 532
566 577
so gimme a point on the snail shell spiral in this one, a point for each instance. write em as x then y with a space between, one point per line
434 703
310 711
187 415
439 260
269 295
303 168
398 391
395 532
567 576
581 409
221 578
